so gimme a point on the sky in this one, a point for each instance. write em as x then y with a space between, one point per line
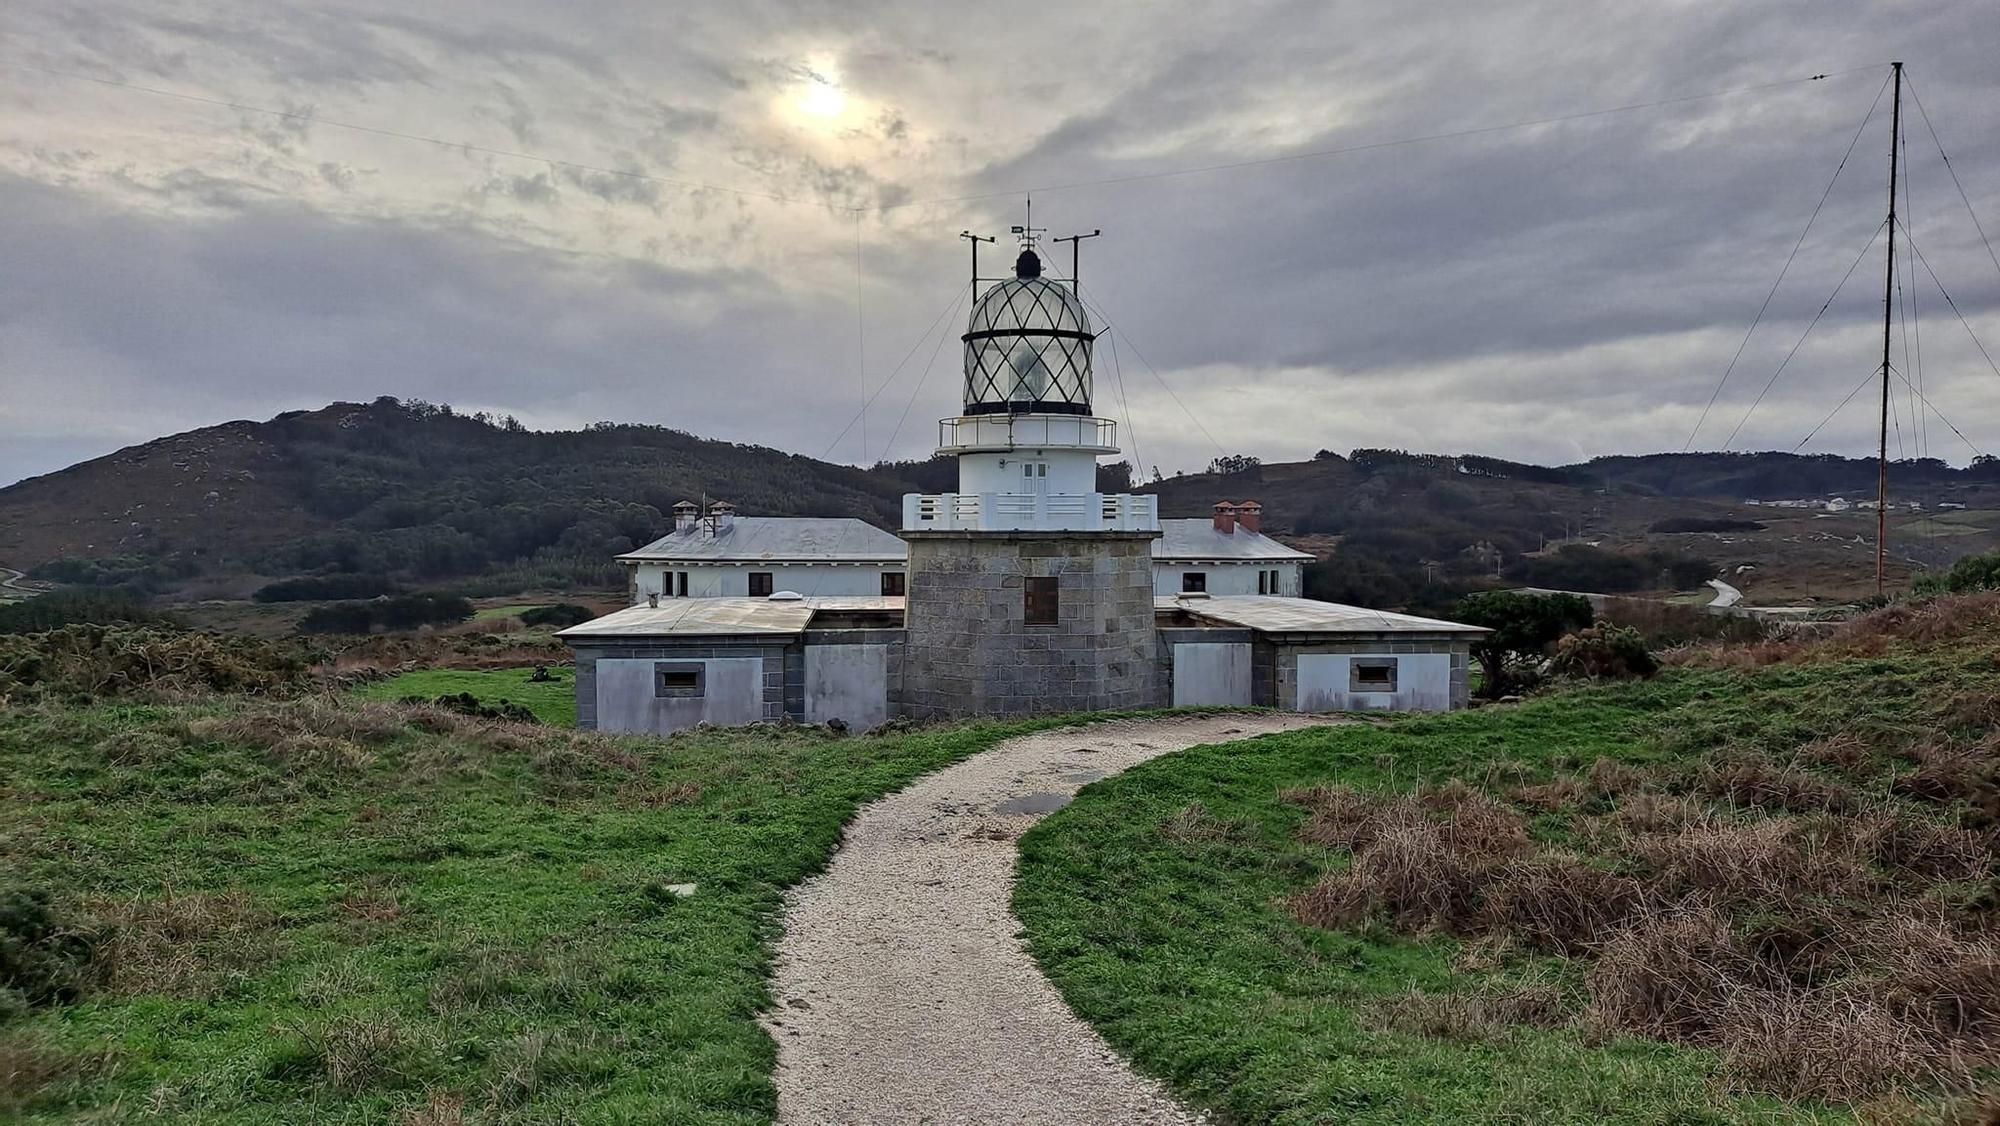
742 220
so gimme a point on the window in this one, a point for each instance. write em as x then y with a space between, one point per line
1040 594
1263 582
1194 582
677 679
892 583
1371 674
760 584
680 584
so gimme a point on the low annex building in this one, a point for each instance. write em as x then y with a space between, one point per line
1025 592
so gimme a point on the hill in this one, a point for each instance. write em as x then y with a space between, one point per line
399 487
417 491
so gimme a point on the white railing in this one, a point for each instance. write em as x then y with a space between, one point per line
1009 512
1001 431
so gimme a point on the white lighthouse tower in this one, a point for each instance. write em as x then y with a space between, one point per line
1027 444
1029 591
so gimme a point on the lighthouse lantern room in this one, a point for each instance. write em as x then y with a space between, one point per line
1027 443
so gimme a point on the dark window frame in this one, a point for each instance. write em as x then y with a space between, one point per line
680 584
764 579
679 680
1041 601
1194 582
1357 682
895 584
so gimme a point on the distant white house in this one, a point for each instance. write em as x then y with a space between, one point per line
723 555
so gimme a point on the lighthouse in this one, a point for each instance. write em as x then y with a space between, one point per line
1029 590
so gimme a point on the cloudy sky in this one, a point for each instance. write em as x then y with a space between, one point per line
738 219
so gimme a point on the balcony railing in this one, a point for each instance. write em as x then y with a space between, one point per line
1011 512
1037 431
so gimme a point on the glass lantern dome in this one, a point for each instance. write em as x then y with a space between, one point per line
1027 347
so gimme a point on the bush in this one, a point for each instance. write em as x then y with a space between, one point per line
407 611
42 956
1582 567
315 588
1971 573
75 607
99 661
560 615
1604 652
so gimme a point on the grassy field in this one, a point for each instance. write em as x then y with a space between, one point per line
553 701
1170 904
300 911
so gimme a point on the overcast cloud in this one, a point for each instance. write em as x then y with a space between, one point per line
1549 293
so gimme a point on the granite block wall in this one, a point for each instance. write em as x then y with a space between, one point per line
968 650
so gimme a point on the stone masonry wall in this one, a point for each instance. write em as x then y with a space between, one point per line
967 649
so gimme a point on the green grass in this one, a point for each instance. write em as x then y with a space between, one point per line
553 701
431 912
1176 947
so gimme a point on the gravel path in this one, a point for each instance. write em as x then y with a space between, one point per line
903 994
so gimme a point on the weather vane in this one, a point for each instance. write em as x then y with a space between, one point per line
1027 232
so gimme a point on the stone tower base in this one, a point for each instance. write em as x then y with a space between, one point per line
968 650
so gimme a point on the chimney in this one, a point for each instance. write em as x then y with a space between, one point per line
1225 517
721 517
652 599
685 514
1250 514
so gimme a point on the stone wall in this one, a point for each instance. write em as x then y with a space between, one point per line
968 650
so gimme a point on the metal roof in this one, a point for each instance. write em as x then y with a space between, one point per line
1277 614
719 617
1199 540
773 539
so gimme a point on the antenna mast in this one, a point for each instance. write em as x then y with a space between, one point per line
1888 299
975 240
1075 279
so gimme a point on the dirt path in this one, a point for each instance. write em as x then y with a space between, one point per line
903 994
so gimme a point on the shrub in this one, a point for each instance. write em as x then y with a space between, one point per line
43 956
98 661
315 588
406 611
1604 652
76 607
560 615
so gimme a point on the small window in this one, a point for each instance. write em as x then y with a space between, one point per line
1263 582
677 679
1194 582
1040 594
892 583
1372 674
760 584
680 584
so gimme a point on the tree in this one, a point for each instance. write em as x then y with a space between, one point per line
1525 627
1234 463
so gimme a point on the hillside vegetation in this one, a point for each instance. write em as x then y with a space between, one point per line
1762 888
398 487
365 499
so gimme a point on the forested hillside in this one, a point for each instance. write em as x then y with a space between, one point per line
398 487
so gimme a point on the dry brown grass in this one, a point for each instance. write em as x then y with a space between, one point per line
1826 946
181 944
1968 619
1194 824
356 1052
